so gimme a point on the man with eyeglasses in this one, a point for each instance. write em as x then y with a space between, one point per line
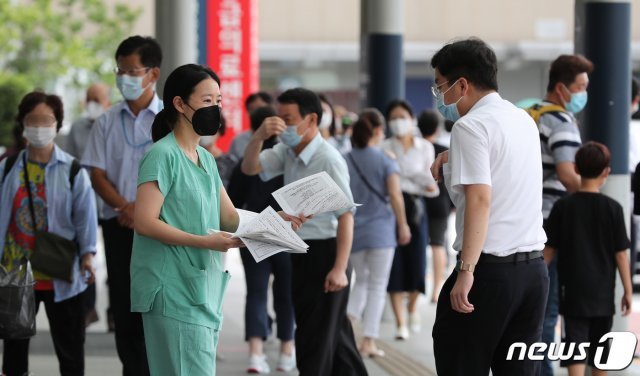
118 141
493 172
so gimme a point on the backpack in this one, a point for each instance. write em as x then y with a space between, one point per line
75 168
537 110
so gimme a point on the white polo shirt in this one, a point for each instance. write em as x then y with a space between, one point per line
497 144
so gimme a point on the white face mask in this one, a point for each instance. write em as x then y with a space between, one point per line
39 137
93 110
325 121
401 127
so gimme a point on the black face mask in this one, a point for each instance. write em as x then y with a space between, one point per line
205 120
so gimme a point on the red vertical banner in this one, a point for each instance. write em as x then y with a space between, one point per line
232 52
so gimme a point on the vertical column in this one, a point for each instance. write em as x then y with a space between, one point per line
381 58
177 33
603 35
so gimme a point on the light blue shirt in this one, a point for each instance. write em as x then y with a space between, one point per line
316 157
71 213
117 143
375 222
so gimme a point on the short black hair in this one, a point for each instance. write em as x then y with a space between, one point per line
262 95
33 99
308 102
472 59
146 47
591 159
258 115
428 122
635 88
397 103
565 68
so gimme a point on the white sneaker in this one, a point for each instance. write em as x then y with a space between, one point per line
415 322
402 332
258 364
287 363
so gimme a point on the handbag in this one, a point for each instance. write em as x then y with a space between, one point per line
415 208
17 302
52 255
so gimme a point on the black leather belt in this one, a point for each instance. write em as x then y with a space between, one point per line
514 257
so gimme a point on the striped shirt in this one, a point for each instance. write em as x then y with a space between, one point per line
559 142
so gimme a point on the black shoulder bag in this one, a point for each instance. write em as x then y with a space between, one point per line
52 254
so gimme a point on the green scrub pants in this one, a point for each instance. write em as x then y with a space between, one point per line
177 348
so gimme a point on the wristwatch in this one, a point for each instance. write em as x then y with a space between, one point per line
465 266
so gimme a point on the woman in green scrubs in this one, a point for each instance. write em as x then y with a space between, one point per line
177 276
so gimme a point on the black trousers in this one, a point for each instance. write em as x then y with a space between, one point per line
324 337
509 303
66 322
118 242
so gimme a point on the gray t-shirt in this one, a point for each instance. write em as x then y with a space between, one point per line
375 223
559 142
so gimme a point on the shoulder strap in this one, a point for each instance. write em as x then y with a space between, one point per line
11 160
536 111
366 182
75 169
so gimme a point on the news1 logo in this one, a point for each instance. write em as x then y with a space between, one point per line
622 346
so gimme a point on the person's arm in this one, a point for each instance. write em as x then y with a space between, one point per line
85 222
568 176
269 127
476 223
336 279
548 253
397 204
110 195
147 223
622 260
229 218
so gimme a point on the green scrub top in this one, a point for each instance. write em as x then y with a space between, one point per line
191 280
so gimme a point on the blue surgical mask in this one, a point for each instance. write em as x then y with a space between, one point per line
577 102
130 86
290 136
449 111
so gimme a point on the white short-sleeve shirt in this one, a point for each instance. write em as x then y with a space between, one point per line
497 144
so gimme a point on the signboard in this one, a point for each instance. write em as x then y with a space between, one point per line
231 49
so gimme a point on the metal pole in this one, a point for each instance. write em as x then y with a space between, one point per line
382 64
604 37
177 33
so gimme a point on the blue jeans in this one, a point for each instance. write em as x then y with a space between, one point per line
551 314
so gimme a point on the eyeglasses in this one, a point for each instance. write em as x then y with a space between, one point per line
435 89
130 72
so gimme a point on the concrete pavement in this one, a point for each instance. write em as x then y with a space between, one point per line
406 358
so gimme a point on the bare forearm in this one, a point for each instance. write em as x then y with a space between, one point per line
251 161
476 222
344 240
622 260
107 191
159 230
548 254
397 205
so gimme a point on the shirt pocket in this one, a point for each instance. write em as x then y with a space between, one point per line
185 289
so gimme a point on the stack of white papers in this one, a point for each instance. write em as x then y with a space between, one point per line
314 194
266 233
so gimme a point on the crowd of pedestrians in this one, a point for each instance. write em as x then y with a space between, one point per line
149 172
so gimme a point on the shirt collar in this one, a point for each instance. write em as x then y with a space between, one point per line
307 153
154 106
486 100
